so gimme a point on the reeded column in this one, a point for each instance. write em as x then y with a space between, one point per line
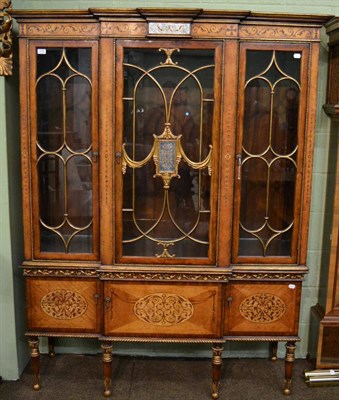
107 364
216 369
289 360
33 343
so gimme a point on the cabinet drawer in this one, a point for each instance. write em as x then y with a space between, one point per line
162 310
63 305
259 309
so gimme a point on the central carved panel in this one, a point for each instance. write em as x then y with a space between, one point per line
262 308
165 309
63 304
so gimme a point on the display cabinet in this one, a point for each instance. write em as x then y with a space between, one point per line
167 163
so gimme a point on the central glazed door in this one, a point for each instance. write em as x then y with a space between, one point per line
168 123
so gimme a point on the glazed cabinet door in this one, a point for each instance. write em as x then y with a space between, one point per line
270 152
64 149
168 128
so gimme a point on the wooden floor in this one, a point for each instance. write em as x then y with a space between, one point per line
74 377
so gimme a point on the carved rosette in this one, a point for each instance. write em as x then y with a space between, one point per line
6 56
164 309
64 304
262 308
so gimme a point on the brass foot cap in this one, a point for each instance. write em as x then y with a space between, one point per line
107 393
287 392
37 386
52 354
215 395
274 358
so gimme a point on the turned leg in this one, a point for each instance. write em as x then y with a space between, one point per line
290 351
33 343
274 350
216 369
107 364
51 343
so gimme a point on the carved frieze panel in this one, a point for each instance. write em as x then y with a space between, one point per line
52 272
169 28
164 276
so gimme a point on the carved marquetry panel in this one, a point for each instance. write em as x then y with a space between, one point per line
59 30
262 308
64 304
214 30
278 32
123 29
165 309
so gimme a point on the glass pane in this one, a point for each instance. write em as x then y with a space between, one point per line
257 116
79 193
49 113
269 153
253 193
281 194
168 114
78 114
64 129
285 114
51 190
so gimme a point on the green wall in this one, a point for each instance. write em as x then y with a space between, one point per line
13 350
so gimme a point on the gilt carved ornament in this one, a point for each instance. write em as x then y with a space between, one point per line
6 55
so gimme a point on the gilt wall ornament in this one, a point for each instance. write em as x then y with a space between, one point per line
164 309
262 308
64 304
6 55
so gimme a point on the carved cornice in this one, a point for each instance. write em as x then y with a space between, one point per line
270 276
175 276
6 55
162 276
59 273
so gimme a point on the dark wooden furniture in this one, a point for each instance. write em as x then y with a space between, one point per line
167 163
325 315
